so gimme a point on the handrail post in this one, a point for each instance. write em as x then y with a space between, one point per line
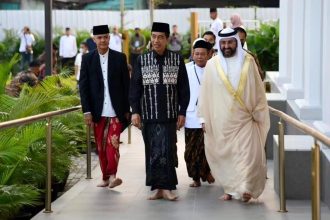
89 153
129 134
48 197
281 156
315 181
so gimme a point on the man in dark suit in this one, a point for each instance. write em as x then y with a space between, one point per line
104 86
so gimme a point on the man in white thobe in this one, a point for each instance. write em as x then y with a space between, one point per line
235 113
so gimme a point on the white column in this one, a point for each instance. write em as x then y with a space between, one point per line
294 90
310 107
324 125
285 42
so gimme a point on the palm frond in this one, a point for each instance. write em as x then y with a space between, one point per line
6 173
6 103
10 150
13 197
5 69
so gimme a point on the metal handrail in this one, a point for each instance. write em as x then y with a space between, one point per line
30 119
315 171
48 116
301 126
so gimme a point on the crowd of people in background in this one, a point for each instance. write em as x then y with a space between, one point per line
68 53
166 94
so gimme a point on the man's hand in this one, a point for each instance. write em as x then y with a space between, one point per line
136 120
203 127
88 119
181 122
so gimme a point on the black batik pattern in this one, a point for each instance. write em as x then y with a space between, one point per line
160 143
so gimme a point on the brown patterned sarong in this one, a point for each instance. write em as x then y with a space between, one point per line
194 155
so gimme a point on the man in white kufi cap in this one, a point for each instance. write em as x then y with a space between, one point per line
194 155
235 116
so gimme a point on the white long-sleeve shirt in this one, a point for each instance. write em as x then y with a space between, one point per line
68 46
77 63
26 40
195 76
115 42
108 110
216 26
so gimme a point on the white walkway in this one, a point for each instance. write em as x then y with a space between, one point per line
128 201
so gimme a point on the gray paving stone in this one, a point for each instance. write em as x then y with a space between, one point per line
85 201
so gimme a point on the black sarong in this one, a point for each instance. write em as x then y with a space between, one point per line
160 143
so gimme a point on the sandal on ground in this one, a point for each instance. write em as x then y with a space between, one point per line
115 182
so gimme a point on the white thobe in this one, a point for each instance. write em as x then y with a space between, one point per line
234 71
236 124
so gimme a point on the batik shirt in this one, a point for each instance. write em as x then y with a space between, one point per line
159 87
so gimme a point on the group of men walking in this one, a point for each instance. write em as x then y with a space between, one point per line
219 100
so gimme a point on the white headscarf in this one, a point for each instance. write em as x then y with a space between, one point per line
240 53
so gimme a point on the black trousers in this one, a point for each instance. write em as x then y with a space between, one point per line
68 62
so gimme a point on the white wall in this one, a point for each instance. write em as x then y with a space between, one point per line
85 20
305 56
324 125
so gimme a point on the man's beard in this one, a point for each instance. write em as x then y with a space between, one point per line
229 52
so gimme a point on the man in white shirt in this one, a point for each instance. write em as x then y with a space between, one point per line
216 25
77 63
25 47
115 40
103 87
197 166
68 48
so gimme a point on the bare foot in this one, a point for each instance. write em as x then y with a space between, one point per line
246 197
195 184
210 179
157 195
226 197
104 183
115 182
168 195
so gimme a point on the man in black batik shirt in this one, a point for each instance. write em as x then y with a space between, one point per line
159 96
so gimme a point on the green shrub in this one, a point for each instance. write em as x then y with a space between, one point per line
23 148
9 45
265 43
13 197
186 46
